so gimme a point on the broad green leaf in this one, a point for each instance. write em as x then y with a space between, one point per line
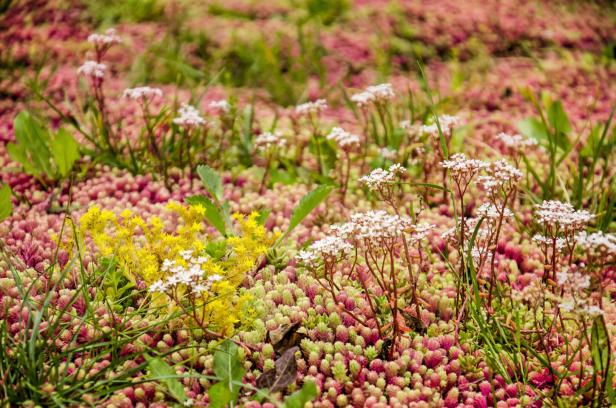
308 203
163 372
533 128
228 367
211 181
558 118
19 154
212 213
300 398
6 205
33 138
65 151
220 395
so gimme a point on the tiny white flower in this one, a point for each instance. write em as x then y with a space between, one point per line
92 69
343 139
189 117
109 38
142 93
317 106
222 105
374 94
268 140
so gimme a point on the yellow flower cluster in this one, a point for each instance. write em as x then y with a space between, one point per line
141 247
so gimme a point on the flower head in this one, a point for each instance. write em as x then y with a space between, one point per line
345 140
189 117
459 165
374 94
109 38
500 174
599 242
379 178
143 93
556 213
389 154
92 69
221 105
379 225
515 142
268 140
492 212
315 107
447 122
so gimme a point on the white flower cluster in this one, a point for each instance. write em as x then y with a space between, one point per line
189 117
412 129
345 140
577 283
307 108
268 140
331 246
499 173
515 142
379 177
92 69
389 154
599 242
109 38
580 308
447 122
221 105
378 225
191 276
420 231
363 228
562 214
547 242
575 280
459 165
374 94
492 212
142 93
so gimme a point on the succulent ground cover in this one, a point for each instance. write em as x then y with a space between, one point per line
307 203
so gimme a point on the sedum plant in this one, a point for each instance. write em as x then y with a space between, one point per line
200 276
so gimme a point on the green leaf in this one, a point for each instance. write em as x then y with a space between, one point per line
65 151
19 154
220 395
211 181
533 128
263 215
308 203
558 118
213 214
31 150
6 205
600 349
228 367
163 372
300 398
